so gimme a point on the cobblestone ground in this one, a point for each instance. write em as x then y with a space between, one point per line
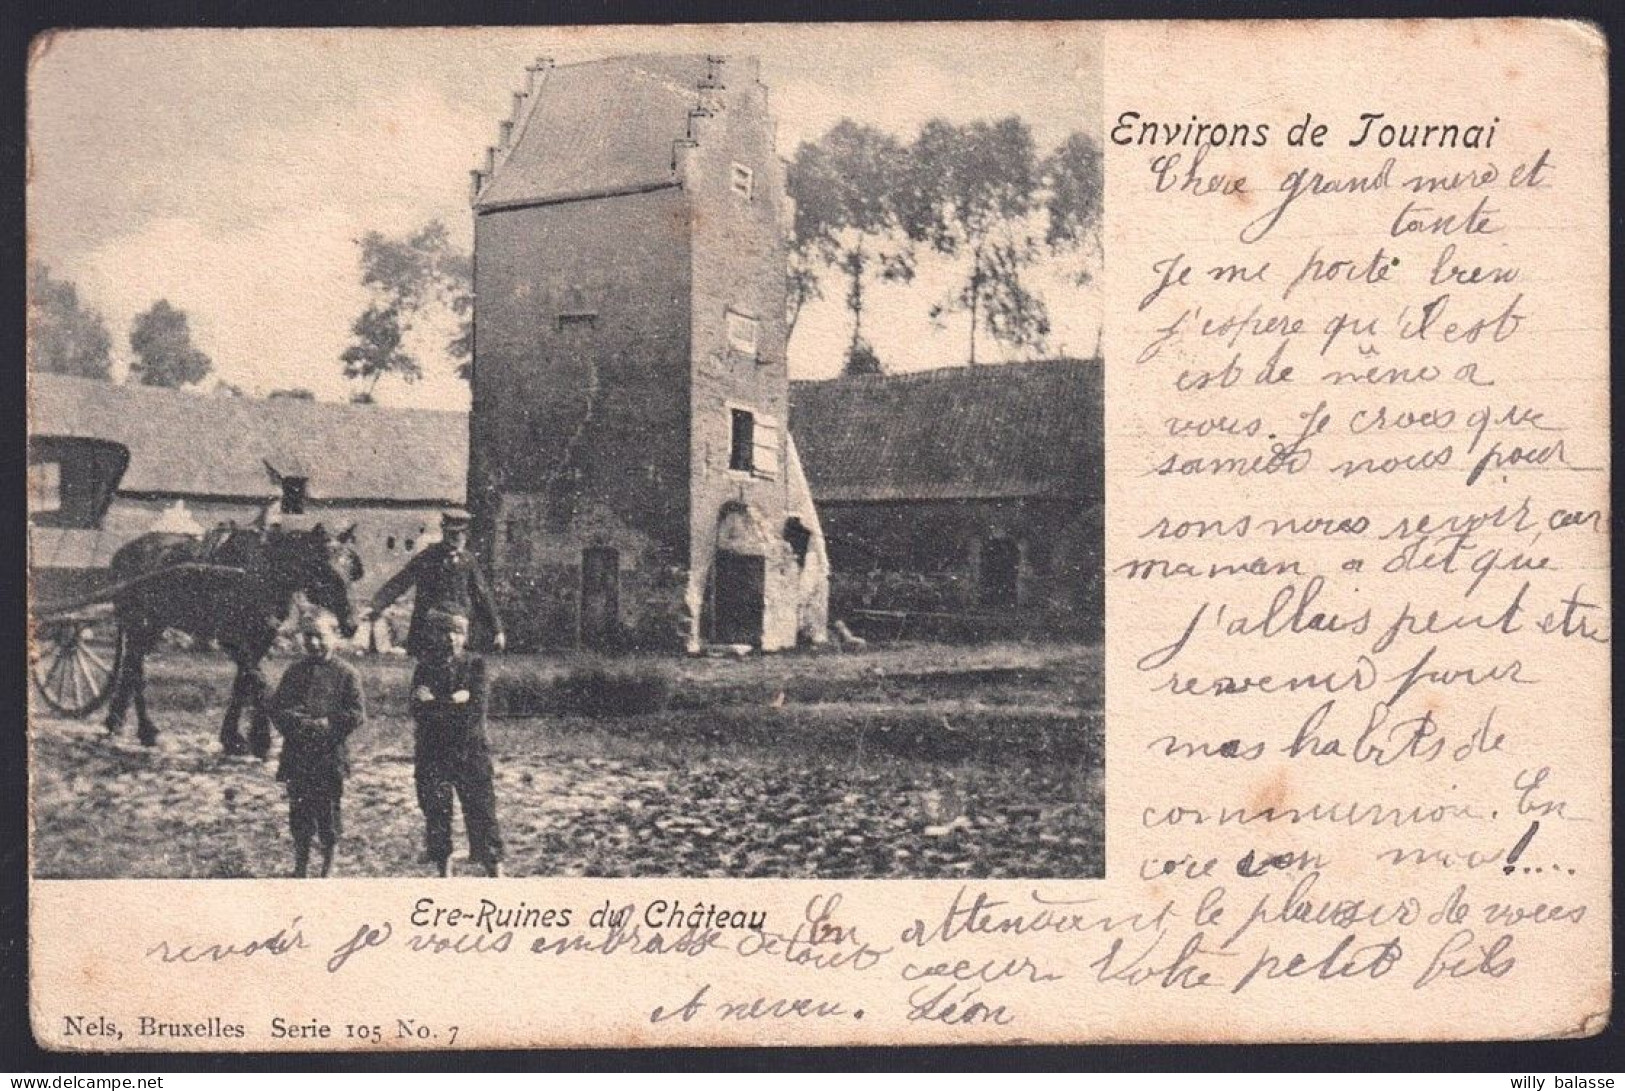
615 797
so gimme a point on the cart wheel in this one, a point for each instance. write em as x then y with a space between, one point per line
75 663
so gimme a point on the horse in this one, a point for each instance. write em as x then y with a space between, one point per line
236 587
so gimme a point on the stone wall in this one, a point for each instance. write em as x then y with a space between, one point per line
608 366
927 558
539 578
580 418
739 258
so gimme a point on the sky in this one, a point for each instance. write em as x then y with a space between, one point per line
233 171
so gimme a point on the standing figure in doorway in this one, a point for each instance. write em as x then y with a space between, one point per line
317 707
451 756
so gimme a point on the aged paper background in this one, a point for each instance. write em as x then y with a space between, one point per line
1329 853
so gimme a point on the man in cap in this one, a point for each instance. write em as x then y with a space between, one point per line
450 753
317 706
448 579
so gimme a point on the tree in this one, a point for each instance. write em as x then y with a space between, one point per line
974 190
297 393
846 187
64 337
1073 185
801 285
164 354
376 351
861 360
410 279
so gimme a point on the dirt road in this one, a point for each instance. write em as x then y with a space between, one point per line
818 788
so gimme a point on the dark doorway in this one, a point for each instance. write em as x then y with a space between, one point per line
1001 561
600 598
737 599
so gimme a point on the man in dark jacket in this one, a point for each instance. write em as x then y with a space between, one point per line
317 706
448 579
450 754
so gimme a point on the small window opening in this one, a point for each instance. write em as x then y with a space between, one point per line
389 542
764 461
293 495
800 538
742 447
742 333
44 487
743 181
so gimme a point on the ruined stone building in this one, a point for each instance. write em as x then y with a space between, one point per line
630 465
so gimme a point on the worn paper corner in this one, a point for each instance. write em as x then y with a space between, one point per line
42 43
1590 35
40 1020
1594 1023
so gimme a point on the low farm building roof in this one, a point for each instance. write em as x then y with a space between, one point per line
997 431
206 445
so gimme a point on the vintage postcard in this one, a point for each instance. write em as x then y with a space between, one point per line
826 534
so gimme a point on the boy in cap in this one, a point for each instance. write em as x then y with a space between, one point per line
450 751
448 579
316 707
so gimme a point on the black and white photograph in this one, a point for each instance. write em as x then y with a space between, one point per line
466 454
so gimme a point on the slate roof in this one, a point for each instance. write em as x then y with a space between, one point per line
213 446
990 432
599 126
1000 431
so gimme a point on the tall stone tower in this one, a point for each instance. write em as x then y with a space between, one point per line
630 470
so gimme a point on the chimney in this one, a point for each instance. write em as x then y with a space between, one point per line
506 130
541 64
476 182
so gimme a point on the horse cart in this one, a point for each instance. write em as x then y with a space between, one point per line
77 648
74 658
74 652
102 595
